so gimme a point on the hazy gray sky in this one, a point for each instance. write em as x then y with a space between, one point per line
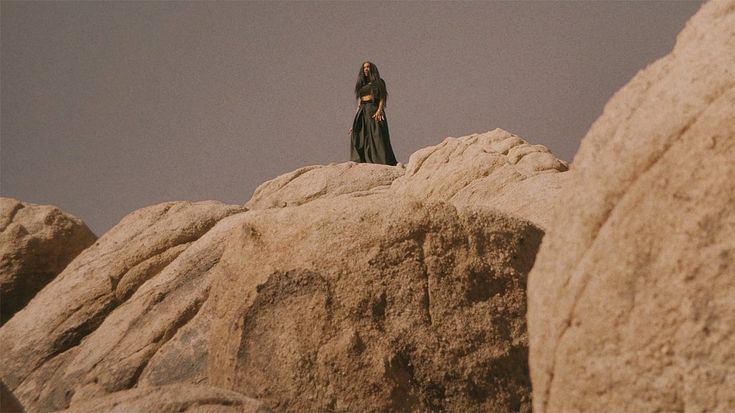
107 107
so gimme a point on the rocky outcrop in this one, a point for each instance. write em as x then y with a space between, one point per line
632 299
134 309
374 302
538 198
172 398
473 169
494 169
94 329
486 169
36 243
322 181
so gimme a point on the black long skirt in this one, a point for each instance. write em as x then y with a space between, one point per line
370 138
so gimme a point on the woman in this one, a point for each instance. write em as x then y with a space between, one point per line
370 137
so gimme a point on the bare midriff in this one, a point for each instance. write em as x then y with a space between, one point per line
367 98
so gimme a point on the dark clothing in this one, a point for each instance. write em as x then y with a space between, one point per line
374 89
367 90
370 138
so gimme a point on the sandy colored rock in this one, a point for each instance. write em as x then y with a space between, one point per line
134 309
171 398
374 302
632 299
322 181
538 198
94 329
183 359
36 243
496 169
488 169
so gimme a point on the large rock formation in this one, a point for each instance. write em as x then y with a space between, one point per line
94 329
36 243
375 302
632 300
135 309
487 170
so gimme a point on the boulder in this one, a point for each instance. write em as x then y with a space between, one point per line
94 329
322 181
374 302
36 243
496 169
538 198
172 398
632 299
133 310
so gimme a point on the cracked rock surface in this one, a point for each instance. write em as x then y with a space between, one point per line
95 328
36 243
632 299
374 302
495 169
172 398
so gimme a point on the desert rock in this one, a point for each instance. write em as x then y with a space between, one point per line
322 181
497 169
631 302
487 169
374 302
93 330
538 198
36 243
172 398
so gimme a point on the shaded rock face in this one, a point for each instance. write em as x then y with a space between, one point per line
632 299
36 243
172 398
376 302
99 326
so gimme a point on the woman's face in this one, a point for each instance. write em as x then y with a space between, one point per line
365 69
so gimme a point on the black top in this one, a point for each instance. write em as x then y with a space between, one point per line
367 90
371 89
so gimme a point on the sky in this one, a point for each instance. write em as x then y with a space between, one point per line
108 107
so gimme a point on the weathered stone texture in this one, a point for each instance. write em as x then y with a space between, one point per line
36 244
632 299
376 302
172 398
94 329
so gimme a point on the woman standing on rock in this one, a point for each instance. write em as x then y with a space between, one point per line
370 137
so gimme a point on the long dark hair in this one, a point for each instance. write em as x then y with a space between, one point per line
374 78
